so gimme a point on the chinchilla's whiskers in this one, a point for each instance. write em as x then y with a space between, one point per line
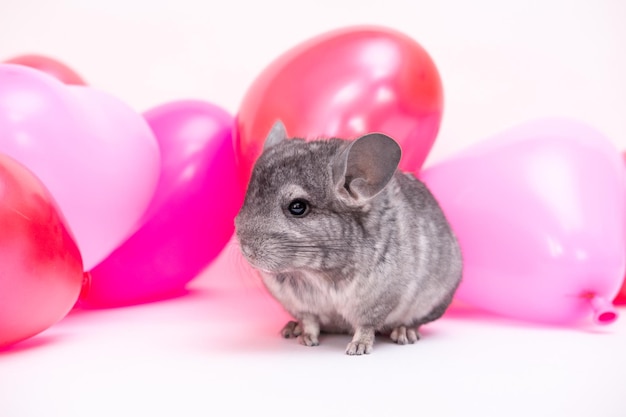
339 242
247 275
312 246
326 277
290 247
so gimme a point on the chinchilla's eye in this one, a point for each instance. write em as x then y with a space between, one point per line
298 207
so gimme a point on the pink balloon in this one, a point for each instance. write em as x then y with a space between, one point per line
41 272
190 218
346 83
97 156
538 211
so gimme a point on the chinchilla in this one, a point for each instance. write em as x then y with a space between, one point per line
345 241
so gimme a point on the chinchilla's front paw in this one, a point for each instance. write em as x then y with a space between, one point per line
359 348
362 343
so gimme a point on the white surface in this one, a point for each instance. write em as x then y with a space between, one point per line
217 351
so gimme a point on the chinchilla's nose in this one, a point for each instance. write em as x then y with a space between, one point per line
245 243
246 250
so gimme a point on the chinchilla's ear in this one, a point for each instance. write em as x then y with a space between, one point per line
277 134
363 169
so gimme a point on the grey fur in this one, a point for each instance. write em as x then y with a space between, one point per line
357 263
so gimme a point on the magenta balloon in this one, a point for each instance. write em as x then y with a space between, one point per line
191 216
538 211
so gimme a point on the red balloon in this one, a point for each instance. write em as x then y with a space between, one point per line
50 66
41 271
621 296
344 84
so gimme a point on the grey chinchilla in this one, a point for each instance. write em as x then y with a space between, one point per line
346 242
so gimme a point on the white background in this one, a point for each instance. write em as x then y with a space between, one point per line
217 350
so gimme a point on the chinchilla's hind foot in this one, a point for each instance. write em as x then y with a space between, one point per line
291 329
403 335
307 332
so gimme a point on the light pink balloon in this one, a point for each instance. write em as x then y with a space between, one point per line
538 211
96 155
